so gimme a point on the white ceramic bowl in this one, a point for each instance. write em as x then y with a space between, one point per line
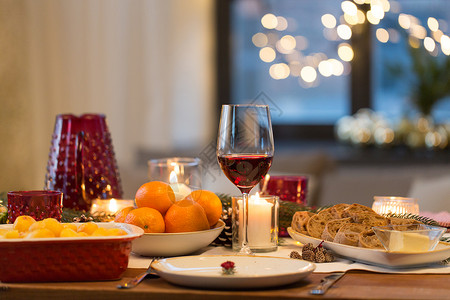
174 244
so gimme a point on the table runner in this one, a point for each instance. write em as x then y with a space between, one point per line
288 245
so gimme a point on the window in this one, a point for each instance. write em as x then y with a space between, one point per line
314 66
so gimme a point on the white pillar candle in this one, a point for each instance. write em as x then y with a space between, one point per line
259 229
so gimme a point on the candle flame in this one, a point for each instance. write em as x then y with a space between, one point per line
113 206
173 178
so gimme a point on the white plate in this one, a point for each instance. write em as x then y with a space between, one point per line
251 271
174 244
378 256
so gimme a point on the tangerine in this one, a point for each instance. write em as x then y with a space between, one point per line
149 219
122 214
186 216
155 194
210 203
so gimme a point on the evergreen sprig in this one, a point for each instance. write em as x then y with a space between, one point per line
424 220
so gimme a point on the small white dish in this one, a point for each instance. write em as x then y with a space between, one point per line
174 244
379 257
251 271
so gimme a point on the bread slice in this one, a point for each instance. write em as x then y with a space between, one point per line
332 227
348 234
299 221
337 210
401 221
370 219
368 239
356 209
316 224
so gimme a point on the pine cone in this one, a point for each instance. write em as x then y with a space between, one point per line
225 237
308 247
296 255
320 256
329 257
309 255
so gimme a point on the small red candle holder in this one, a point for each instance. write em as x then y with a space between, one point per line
37 204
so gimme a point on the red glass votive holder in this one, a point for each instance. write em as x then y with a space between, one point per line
37 204
287 188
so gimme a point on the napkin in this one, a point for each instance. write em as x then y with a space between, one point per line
289 245
443 217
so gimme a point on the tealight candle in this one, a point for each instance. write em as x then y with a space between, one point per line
395 205
262 230
109 206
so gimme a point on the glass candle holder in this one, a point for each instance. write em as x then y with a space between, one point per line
262 230
182 173
37 204
384 205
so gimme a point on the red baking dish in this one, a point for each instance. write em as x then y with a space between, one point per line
67 259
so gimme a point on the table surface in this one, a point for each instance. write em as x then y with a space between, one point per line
353 285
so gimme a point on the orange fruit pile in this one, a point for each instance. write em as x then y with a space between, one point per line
27 227
158 212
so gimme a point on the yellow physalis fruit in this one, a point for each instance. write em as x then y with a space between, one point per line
71 226
12 234
88 227
116 232
3 232
100 232
37 225
23 223
82 234
68 232
40 233
53 225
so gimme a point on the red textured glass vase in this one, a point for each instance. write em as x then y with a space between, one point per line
81 162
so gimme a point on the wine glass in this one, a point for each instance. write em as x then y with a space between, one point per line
245 151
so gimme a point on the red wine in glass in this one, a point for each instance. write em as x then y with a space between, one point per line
245 171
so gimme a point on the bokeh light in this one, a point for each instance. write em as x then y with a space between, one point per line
282 23
269 21
308 74
344 32
429 44
433 24
345 52
260 39
279 71
267 54
382 35
328 20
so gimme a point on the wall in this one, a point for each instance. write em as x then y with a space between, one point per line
147 65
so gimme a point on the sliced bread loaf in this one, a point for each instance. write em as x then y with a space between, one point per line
316 224
368 239
332 227
348 234
299 221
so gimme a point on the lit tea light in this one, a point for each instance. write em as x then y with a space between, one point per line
395 205
109 206
181 190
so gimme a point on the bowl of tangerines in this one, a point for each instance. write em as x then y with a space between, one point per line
172 227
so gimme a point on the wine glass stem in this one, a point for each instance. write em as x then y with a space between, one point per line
245 249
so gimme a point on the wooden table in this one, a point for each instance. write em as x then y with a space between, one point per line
353 285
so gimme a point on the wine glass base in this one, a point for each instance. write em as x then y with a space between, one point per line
245 250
